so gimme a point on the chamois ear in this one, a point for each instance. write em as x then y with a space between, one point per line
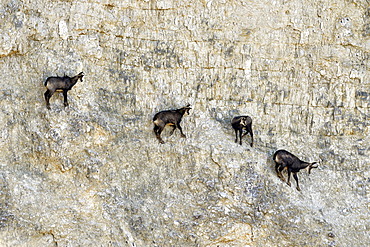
188 106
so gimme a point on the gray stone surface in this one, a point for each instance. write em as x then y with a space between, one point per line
93 174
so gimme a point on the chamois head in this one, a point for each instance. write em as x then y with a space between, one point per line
243 121
80 75
185 109
312 165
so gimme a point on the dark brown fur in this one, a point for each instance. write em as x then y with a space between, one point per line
63 84
169 117
240 124
283 159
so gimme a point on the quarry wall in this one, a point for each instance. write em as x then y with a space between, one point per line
93 174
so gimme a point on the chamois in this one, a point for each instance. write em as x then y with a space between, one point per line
169 117
284 159
63 84
241 123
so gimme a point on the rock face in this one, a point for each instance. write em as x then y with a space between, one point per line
93 174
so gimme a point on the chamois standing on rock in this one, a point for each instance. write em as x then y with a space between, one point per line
241 123
169 117
63 84
284 159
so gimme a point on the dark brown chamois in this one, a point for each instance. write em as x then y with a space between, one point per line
63 84
169 117
284 159
241 123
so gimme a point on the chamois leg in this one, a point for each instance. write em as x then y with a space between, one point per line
278 173
240 136
48 95
173 129
289 172
277 168
236 135
281 168
155 129
65 98
296 179
249 130
158 130
179 127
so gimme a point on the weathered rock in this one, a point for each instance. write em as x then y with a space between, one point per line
93 174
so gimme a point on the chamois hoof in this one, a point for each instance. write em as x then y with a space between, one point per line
183 136
288 183
299 189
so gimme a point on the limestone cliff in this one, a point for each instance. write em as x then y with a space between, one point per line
93 174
